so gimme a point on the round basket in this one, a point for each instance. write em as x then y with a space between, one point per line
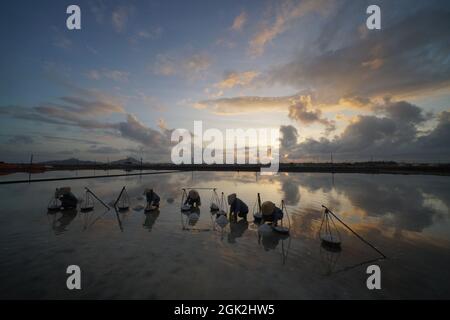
54 208
214 207
329 240
257 217
185 207
280 229
87 208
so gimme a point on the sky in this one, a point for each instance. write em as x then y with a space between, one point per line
137 70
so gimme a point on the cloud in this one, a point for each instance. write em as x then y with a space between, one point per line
70 110
356 102
437 139
20 139
197 63
98 9
85 114
299 107
115 75
402 111
135 130
393 134
225 43
104 150
407 58
146 34
302 111
165 65
61 40
289 136
162 124
191 67
239 21
233 79
237 105
120 17
286 12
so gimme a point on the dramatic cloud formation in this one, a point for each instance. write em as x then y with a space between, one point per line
302 111
85 114
393 135
299 107
407 58
289 136
310 67
135 130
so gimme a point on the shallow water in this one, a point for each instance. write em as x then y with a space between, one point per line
133 255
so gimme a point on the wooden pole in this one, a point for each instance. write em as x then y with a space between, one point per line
357 235
93 194
118 198
259 202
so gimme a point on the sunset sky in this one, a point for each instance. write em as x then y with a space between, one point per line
139 69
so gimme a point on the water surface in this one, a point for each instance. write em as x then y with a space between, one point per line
133 255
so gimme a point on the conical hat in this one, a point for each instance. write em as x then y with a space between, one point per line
231 198
267 208
193 194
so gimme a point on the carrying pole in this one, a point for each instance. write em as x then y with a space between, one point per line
93 194
354 232
259 202
118 198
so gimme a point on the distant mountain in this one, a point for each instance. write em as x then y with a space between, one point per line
69 162
127 161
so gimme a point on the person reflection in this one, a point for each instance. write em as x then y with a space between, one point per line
193 216
237 229
150 219
271 240
67 216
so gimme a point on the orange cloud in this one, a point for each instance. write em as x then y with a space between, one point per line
239 21
234 79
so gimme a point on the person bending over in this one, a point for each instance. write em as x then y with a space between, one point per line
237 207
